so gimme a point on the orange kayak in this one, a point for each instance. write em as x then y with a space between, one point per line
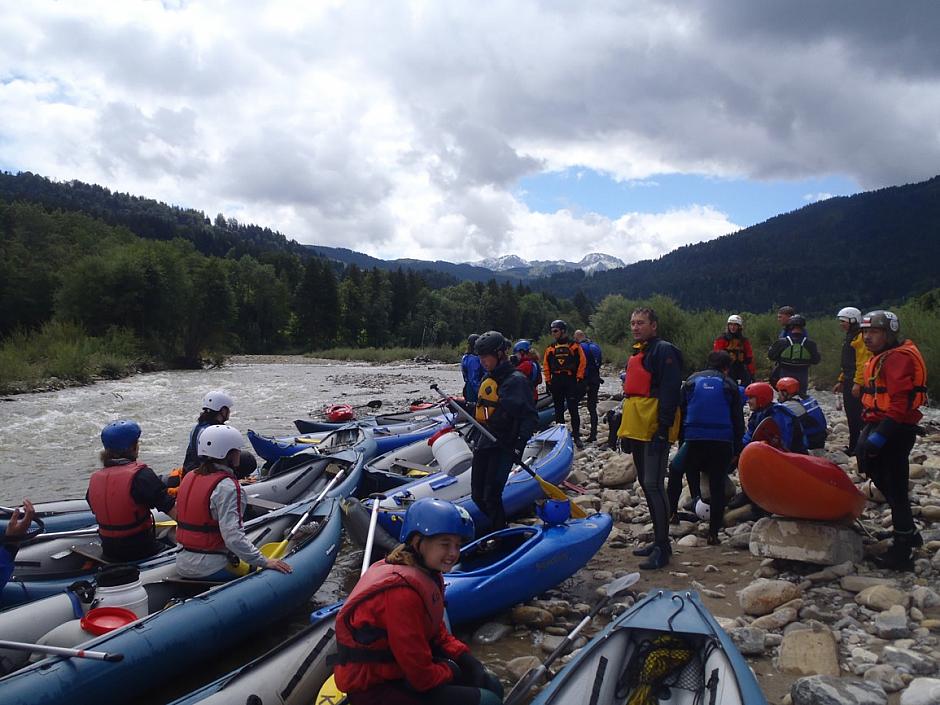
798 486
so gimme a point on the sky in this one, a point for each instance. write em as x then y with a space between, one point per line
463 130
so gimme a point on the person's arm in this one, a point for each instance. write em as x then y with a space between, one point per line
862 356
749 357
224 506
773 353
408 641
815 357
719 344
147 488
668 374
582 364
546 368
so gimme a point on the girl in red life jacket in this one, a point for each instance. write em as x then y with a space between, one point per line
393 645
209 510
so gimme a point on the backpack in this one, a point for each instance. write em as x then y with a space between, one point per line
814 423
796 353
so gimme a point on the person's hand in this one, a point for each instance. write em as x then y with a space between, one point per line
659 443
857 391
20 520
455 671
874 443
278 565
473 669
837 387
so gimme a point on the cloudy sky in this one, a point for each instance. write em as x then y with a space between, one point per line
460 130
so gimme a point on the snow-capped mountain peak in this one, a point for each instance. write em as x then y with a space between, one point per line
590 263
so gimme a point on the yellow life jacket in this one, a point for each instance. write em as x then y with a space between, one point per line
487 399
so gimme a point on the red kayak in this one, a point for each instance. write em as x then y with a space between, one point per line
340 412
798 486
419 405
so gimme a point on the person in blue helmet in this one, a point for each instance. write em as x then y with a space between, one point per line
122 493
528 364
16 531
393 647
472 371
592 377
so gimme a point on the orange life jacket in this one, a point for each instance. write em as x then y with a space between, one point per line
109 494
196 529
563 358
875 393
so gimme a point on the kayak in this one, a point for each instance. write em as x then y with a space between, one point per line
371 441
667 648
47 565
58 515
339 413
548 453
189 621
517 564
798 486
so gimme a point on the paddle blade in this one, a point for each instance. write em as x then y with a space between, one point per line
769 432
555 492
617 586
330 694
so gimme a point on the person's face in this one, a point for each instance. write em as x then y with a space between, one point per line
558 333
641 327
734 328
233 458
439 552
579 336
489 361
225 413
844 325
876 339
782 318
782 395
752 403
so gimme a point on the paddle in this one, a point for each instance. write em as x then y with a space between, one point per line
547 487
60 651
534 675
769 432
276 550
370 536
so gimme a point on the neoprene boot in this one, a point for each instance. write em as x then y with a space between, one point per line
658 558
898 557
592 437
647 550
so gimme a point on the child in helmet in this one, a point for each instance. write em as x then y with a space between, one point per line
122 493
210 506
393 645
760 400
528 364
806 409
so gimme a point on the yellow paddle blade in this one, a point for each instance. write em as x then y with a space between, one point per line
556 492
329 694
416 473
166 524
274 550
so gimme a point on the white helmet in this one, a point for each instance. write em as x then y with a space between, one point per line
216 441
850 314
736 319
703 510
216 399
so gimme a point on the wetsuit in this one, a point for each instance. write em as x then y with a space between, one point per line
592 381
564 366
854 357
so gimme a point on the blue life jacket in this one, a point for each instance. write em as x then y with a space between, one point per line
814 423
473 374
708 400
535 376
592 353
791 430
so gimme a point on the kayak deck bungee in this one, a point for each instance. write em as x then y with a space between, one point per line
167 642
548 453
667 640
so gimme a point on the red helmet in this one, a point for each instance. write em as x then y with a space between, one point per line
761 391
788 385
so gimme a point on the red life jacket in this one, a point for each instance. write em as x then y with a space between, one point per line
368 643
109 494
196 529
638 381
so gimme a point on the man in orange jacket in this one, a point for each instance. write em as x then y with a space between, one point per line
564 367
894 389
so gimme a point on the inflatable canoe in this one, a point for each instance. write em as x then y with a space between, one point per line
188 622
667 643
798 486
548 453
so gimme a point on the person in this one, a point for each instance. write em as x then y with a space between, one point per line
739 347
894 389
854 357
564 367
210 505
122 493
807 411
794 353
471 370
592 377
528 364
506 407
650 421
393 646
712 430
760 400
17 527
784 314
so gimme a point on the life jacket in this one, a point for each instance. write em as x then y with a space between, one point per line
173 480
196 529
638 381
814 423
640 419
708 411
735 348
796 353
109 494
369 643
563 358
875 396
487 399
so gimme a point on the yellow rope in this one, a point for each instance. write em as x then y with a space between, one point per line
666 655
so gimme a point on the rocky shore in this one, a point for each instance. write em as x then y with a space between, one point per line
815 628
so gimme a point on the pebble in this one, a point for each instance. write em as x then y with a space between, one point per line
518 667
809 652
749 640
909 661
922 691
531 616
763 596
882 597
886 677
892 623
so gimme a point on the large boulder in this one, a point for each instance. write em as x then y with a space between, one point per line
619 471
764 596
809 652
922 691
808 541
830 690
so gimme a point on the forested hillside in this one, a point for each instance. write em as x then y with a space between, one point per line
863 250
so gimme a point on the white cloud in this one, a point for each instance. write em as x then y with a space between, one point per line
820 196
401 129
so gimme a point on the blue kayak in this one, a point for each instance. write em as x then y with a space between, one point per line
190 622
667 642
548 453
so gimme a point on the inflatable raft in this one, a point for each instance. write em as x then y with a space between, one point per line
798 486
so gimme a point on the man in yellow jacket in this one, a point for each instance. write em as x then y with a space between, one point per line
650 422
854 358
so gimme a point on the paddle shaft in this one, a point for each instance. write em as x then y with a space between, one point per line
370 537
313 506
61 651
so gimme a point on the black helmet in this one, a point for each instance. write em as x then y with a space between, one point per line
796 320
490 343
472 339
560 324
885 320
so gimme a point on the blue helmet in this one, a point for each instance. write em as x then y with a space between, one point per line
554 511
429 517
120 435
521 345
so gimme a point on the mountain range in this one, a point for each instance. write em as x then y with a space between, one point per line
589 264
